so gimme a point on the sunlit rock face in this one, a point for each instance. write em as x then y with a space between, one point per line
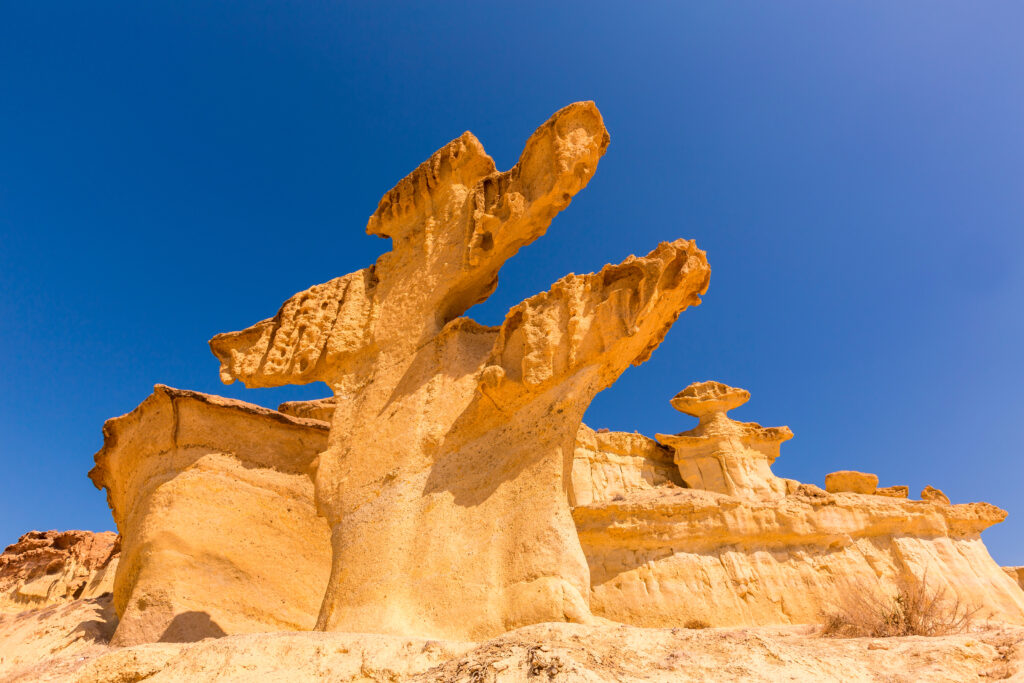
214 504
448 489
445 480
740 546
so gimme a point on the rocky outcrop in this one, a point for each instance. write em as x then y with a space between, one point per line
849 481
1015 573
723 455
750 549
935 495
608 465
214 503
893 491
54 567
445 478
447 492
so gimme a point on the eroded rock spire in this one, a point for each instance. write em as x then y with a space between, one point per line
445 477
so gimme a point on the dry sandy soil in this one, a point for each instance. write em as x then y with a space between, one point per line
68 643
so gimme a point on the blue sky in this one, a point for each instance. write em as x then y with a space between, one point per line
855 172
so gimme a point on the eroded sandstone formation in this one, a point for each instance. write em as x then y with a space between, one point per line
448 489
742 547
723 455
54 567
219 532
445 478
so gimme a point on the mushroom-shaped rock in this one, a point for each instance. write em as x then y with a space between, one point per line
934 495
723 455
707 398
850 481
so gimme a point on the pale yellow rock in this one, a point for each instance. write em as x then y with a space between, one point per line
723 455
661 558
779 553
219 531
894 491
935 495
850 481
1016 573
445 477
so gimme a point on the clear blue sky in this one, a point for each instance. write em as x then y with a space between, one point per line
855 171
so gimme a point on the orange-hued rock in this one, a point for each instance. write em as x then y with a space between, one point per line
54 567
214 503
739 546
723 455
445 477
850 481
935 495
1016 573
893 491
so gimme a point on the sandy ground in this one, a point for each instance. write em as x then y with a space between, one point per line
68 643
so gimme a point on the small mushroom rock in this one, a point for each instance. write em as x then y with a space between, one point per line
721 454
849 481
934 495
894 491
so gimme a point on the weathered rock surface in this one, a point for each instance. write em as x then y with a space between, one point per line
445 477
53 567
320 409
743 547
893 491
547 652
935 495
849 481
723 455
662 558
608 465
214 503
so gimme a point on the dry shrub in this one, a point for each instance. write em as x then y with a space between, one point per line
696 623
915 610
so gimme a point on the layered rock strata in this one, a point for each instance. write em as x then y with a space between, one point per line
219 530
771 553
54 567
446 474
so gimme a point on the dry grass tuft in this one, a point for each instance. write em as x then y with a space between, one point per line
915 610
696 623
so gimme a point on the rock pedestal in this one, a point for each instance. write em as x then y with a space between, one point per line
214 503
720 454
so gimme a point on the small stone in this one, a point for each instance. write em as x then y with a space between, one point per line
894 491
849 481
934 495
